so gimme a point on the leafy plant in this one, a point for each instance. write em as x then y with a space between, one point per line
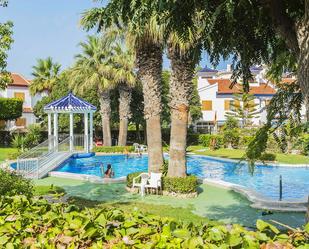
34 136
268 157
19 142
180 184
29 223
10 109
14 184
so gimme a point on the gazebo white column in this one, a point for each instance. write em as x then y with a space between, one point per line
91 132
71 132
50 142
86 140
56 131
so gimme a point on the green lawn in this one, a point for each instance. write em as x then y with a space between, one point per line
213 203
238 154
4 153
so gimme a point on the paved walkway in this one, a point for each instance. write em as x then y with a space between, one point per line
212 202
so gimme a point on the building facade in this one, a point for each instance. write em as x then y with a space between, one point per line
19 88
217 98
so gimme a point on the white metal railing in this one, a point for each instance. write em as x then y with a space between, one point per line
40 160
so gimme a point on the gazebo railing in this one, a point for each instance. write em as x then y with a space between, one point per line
78 142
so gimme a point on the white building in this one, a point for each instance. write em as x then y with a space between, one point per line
19 88
216 96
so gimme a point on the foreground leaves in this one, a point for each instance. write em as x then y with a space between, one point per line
29 223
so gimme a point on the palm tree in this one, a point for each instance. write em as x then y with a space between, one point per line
146 36
184 58
91 71
46 74
123 63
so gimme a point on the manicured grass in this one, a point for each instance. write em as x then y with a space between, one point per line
45 190
4 153
238 154
212 203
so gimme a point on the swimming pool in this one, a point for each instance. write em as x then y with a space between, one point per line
265 179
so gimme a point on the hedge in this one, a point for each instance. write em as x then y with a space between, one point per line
12 183
182 185
113 149
29 223
10 108
268 157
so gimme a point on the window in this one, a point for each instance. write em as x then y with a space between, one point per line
20 122
227 105
206 105
20 96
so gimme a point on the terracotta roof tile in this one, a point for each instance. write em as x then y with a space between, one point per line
224 87
19 80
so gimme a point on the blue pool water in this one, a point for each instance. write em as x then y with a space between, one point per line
265 179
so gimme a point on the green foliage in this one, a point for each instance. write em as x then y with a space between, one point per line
130 178
183 185
10 109
6 41
205 139
114 149
243 109
19 142
231 134
33 136
305 144
14 184
25 223
245 141
216 142
268 157
14 155
46 75
192 138
47 190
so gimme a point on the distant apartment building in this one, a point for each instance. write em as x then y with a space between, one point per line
19 88
217 97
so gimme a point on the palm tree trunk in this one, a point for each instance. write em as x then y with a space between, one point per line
149 64
105 103
183 66
125 96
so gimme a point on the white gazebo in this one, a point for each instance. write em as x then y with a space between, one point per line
71 104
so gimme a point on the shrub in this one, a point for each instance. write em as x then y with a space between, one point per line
305 144
180 184
12 183
130 178
14 155
37 224
245 140
34 136
204 139
268 157
10 109
114 149
193 139
216 142
231 138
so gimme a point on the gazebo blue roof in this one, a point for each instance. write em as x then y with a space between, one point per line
70 103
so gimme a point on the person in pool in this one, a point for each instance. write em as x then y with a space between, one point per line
109 173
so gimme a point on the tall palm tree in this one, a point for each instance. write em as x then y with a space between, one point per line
46 74
123 63
141 21
184 50
91 71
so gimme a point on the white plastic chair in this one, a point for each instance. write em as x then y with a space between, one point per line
154 182
136 147
143 148
144 179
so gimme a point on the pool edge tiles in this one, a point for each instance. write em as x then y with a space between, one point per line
259 201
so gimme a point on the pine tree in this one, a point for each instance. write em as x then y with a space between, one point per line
243 108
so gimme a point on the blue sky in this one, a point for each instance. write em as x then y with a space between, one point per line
45 28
